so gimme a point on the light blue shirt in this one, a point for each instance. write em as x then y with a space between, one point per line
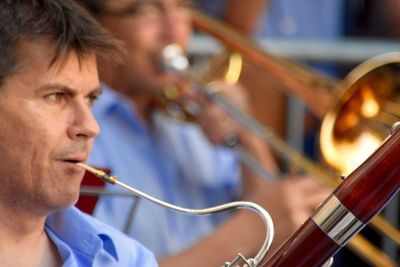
84 241
174 162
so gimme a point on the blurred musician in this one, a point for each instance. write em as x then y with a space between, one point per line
182 163
48 82
322 20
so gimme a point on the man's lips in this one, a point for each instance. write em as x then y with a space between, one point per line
74 159
70 164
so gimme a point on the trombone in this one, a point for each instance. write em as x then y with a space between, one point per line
173 60
359 104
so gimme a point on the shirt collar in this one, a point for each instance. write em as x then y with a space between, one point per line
73 228
112 102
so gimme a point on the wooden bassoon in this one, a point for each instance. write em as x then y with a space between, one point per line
361 196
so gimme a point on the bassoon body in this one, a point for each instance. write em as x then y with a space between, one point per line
361 196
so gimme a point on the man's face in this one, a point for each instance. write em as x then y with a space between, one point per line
46 125
146 27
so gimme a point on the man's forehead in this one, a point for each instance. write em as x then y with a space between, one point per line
34 52
34 64
41 53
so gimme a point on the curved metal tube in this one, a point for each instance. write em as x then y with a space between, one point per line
207 211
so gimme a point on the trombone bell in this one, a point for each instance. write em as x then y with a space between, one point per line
366 108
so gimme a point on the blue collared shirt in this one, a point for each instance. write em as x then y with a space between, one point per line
83 241
173 162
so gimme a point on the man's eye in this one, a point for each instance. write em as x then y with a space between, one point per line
56 97
92 99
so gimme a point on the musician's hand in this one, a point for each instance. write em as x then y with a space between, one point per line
290 202
215 122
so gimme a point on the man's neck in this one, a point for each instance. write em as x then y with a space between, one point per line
144 106
24 242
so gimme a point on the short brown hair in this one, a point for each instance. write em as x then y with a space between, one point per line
63 22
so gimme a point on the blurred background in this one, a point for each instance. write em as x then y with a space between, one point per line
326 40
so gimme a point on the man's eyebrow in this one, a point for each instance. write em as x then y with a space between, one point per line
58 86
67 89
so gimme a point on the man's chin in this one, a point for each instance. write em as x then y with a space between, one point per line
63 200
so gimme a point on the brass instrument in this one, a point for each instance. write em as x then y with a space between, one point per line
368 104
367 98
173 60
251 262
325 96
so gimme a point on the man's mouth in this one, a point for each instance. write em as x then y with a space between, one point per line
75 159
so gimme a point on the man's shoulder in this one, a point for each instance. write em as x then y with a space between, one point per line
125 249
116 235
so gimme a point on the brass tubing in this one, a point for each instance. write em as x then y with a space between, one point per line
301 83
368 252
297 80
392 108
277 144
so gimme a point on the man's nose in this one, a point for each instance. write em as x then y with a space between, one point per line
84 125
175 24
